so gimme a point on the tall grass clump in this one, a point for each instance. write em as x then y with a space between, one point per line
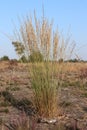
44 88
43 48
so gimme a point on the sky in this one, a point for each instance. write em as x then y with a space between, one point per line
67 15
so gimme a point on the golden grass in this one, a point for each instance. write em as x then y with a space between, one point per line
37 35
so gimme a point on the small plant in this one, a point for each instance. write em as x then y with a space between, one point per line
65 104
85 94
9 97
18 123
4 110
4 104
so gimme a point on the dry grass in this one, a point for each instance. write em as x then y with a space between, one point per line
34 36
37 35
45 89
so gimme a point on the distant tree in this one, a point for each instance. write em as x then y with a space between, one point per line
36 57
19 47
23 59
73 60
4 58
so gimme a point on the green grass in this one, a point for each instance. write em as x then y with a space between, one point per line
44 88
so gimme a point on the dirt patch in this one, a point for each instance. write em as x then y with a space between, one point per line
72 97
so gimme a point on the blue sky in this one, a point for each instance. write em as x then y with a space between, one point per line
67 14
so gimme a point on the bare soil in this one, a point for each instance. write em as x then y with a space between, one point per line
72 97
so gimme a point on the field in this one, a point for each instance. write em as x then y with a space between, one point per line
16 96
